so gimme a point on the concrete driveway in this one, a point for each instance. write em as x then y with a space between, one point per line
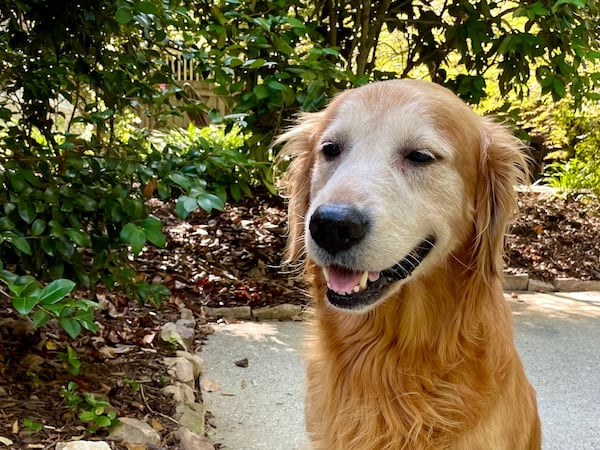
259 407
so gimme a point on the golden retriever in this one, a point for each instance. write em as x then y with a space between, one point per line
399 196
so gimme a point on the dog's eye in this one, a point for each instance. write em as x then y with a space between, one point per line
331 149
420 157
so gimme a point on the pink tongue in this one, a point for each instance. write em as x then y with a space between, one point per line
342 280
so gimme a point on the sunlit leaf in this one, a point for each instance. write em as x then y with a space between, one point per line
124 15
56 291
71 326
24 305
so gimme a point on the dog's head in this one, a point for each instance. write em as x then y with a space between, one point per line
391 181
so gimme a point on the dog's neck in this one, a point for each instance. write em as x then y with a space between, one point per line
432 342
416 315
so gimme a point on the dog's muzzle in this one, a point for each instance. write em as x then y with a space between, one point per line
337 228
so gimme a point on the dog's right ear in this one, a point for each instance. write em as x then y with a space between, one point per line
298 151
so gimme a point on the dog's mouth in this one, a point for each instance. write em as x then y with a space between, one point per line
349 289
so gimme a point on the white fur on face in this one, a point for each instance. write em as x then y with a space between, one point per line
406 201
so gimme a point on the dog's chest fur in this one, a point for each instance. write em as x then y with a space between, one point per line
374 382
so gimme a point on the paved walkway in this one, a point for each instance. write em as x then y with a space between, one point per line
260 407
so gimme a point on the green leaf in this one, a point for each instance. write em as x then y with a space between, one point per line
85 202
153 229
185 205
17 182
236 192
24 305
78 237
71 326
38 227
124 15
134 236
87 416
147 8
16 241
275 85
233 61
575 3
134 207
21 286
261 91
40 318
26 211
103 421
254 63
56 291
181 180
558 87
208 202
127 232
6 224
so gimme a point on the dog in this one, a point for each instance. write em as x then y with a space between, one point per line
399 196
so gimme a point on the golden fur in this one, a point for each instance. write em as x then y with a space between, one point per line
433 364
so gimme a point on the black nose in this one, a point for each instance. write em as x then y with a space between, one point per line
336 226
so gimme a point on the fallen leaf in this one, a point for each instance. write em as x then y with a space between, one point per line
51 345
209 386
157 425
5 441
136 446
107 352
149 338
242 363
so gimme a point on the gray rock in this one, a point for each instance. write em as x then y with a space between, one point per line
284 311
540 286
194 359
515 282
185 328
170 334
82 445
187 314
182 393
193 441
134 431
192 417
576 285
234 312
181 369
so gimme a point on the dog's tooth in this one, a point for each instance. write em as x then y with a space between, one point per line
326 275
363 280
374 276
356 289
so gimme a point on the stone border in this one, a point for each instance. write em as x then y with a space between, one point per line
284 311
289 311
523 282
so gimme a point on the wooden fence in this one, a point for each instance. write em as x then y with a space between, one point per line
195 89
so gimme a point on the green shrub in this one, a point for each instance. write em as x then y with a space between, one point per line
82 216
205 166
69 217
581 171
575 132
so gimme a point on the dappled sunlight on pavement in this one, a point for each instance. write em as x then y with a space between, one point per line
252 331
565 305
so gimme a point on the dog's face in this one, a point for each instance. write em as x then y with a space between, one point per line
394 172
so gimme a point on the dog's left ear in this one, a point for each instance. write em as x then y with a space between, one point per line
299 150
503 165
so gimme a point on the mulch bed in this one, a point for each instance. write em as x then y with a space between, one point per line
234 257
555 237
227 258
